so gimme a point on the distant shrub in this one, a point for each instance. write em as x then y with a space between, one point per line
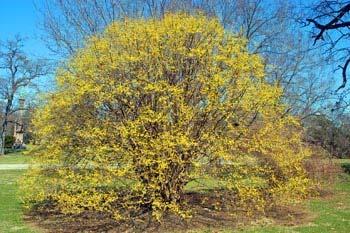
346 167
9 141
331 135
323 170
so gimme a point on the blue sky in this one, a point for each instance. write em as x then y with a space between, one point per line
20 17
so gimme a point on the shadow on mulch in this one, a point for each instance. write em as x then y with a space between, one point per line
206 214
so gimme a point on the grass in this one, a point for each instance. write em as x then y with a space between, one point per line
345 164
19 157
342 161
331 214
11 215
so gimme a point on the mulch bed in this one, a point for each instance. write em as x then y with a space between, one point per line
204 214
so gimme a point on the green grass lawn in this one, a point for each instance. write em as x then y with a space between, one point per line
11 216
330 215
342 161
20 157
345 164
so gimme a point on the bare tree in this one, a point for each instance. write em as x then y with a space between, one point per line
331 21
68 23
17 71
273 31
269 26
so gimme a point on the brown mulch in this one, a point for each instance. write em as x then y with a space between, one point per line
214 212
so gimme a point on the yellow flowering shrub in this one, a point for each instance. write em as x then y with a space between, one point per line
151 105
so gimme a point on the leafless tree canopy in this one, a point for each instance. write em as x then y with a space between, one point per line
17 71
269 25
331 22
69 22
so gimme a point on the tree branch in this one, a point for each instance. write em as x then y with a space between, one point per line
333 24
344 70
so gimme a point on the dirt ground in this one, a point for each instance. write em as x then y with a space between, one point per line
204 215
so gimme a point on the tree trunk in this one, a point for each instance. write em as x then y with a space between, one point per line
3 135
2 142
4 126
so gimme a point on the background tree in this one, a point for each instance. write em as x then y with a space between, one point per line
272 32
17 71
331 134
331 21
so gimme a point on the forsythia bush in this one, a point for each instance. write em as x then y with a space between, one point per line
151 105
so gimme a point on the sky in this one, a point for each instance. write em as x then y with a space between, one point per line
20 17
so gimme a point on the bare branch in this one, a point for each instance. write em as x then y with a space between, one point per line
18 72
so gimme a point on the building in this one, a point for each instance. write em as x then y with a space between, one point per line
19 128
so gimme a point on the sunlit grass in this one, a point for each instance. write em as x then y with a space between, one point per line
19 157
331 214
11 215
